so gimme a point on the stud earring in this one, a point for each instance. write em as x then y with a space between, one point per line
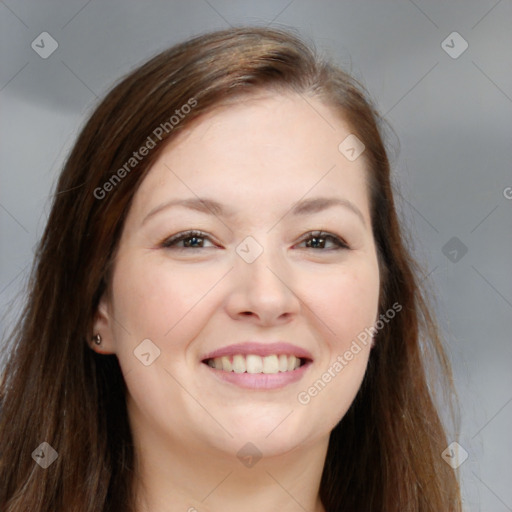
97 339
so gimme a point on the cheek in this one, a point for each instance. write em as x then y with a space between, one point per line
161 303
345 302
346 306
151 299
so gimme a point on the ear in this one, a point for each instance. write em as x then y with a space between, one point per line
103 325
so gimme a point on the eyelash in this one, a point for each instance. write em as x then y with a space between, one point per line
170 243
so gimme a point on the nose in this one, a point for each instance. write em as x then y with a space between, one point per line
263 291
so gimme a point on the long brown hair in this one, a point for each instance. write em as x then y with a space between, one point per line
384 455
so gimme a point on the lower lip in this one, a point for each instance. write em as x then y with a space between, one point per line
261 380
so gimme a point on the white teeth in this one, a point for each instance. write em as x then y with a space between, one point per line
252 363
239 364
270 364
226 364
283 363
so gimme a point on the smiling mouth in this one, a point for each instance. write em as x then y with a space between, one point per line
252 363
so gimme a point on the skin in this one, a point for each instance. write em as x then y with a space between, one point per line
257 156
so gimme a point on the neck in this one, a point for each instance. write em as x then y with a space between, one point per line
172 476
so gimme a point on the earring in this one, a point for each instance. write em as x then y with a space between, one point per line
97 339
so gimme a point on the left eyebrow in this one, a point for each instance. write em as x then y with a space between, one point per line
319 204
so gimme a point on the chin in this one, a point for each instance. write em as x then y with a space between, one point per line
271 435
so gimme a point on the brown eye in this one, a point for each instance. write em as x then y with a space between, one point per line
318 240
190 239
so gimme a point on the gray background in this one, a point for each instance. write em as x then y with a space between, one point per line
452 117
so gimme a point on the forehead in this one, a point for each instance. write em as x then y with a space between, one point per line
257 150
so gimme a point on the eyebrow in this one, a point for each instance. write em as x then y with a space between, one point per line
212 207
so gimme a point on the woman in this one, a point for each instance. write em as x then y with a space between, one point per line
223 313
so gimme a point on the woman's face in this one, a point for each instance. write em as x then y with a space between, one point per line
207 328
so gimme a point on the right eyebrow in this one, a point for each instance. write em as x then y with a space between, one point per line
203 205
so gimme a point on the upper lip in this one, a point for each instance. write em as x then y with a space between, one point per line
261 349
